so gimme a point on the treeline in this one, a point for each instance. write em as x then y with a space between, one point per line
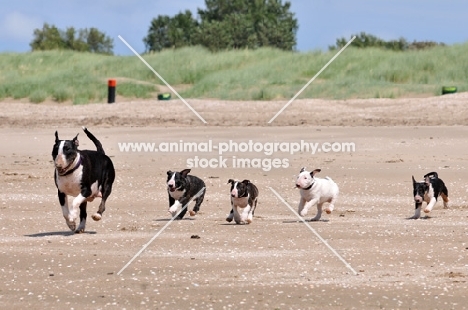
81 40
222 25
365 40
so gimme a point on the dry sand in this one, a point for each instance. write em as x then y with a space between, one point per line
274 263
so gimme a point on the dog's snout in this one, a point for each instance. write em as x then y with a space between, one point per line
171 187
58 165
418 198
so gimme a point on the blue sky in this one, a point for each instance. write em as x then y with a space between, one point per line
321 22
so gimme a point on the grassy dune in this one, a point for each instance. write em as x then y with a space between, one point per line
263 74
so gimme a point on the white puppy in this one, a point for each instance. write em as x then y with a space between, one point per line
315 191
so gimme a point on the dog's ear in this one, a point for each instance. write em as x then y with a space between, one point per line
75 140
169 172
185 172
56 137
230 181
302 169
313 173
431 175
427 180
414 181
246 182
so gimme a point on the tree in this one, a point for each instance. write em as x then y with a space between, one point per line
248 23
75 43
181 29
231 33
166 32
158 37
83 40
227 24
47 38
98 42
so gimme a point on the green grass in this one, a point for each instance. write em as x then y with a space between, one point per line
263 74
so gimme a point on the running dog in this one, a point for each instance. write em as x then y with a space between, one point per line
428 191
315 191
182 188
244 197
83 174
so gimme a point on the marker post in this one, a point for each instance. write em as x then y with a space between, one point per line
111 91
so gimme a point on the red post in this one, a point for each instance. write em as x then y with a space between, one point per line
111 91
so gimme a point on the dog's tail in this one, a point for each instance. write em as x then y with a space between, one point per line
95 141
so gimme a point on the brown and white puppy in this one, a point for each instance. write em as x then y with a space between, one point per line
244 197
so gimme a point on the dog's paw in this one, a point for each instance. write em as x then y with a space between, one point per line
192 213
71 225
172 213
328 211
314 219
96 217
173 209
229 219
79 231
71 217
427 210
303 213
249 221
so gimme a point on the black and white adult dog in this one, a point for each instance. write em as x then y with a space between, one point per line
83 174
315 191
181 188
428 191
244 197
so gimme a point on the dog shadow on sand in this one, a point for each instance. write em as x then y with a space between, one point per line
58 233
175 220
308 221
427 217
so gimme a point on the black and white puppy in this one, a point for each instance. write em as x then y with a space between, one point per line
181 188
83 174
315 191
428 191
244 197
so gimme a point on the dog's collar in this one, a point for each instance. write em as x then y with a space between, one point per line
307 188
71 170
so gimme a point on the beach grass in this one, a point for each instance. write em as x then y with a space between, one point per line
262 74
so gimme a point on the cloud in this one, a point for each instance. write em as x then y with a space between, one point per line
18 27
